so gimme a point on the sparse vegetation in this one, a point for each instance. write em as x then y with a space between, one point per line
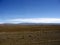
30 35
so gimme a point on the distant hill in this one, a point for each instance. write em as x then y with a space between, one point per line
31 24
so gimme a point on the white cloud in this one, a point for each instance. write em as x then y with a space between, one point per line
35 20
2 22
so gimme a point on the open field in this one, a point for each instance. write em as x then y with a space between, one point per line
30 35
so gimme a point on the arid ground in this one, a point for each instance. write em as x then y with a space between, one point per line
30 35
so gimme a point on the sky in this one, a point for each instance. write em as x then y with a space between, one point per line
30 11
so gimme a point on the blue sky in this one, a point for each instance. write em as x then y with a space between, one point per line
17 9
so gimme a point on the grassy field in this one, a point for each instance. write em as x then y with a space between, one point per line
30 35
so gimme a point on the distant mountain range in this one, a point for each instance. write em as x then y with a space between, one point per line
31 24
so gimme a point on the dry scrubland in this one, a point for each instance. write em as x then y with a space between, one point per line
30 35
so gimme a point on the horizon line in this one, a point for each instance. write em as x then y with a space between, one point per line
31 20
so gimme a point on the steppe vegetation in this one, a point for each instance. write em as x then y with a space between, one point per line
29 34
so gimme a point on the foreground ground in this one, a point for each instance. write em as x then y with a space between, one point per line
30 35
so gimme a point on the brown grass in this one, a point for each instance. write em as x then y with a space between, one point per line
30 35
13 28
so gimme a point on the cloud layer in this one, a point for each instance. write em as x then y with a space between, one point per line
34 20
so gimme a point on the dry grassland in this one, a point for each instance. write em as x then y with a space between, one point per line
30 35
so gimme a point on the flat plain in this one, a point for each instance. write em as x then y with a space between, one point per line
29 34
